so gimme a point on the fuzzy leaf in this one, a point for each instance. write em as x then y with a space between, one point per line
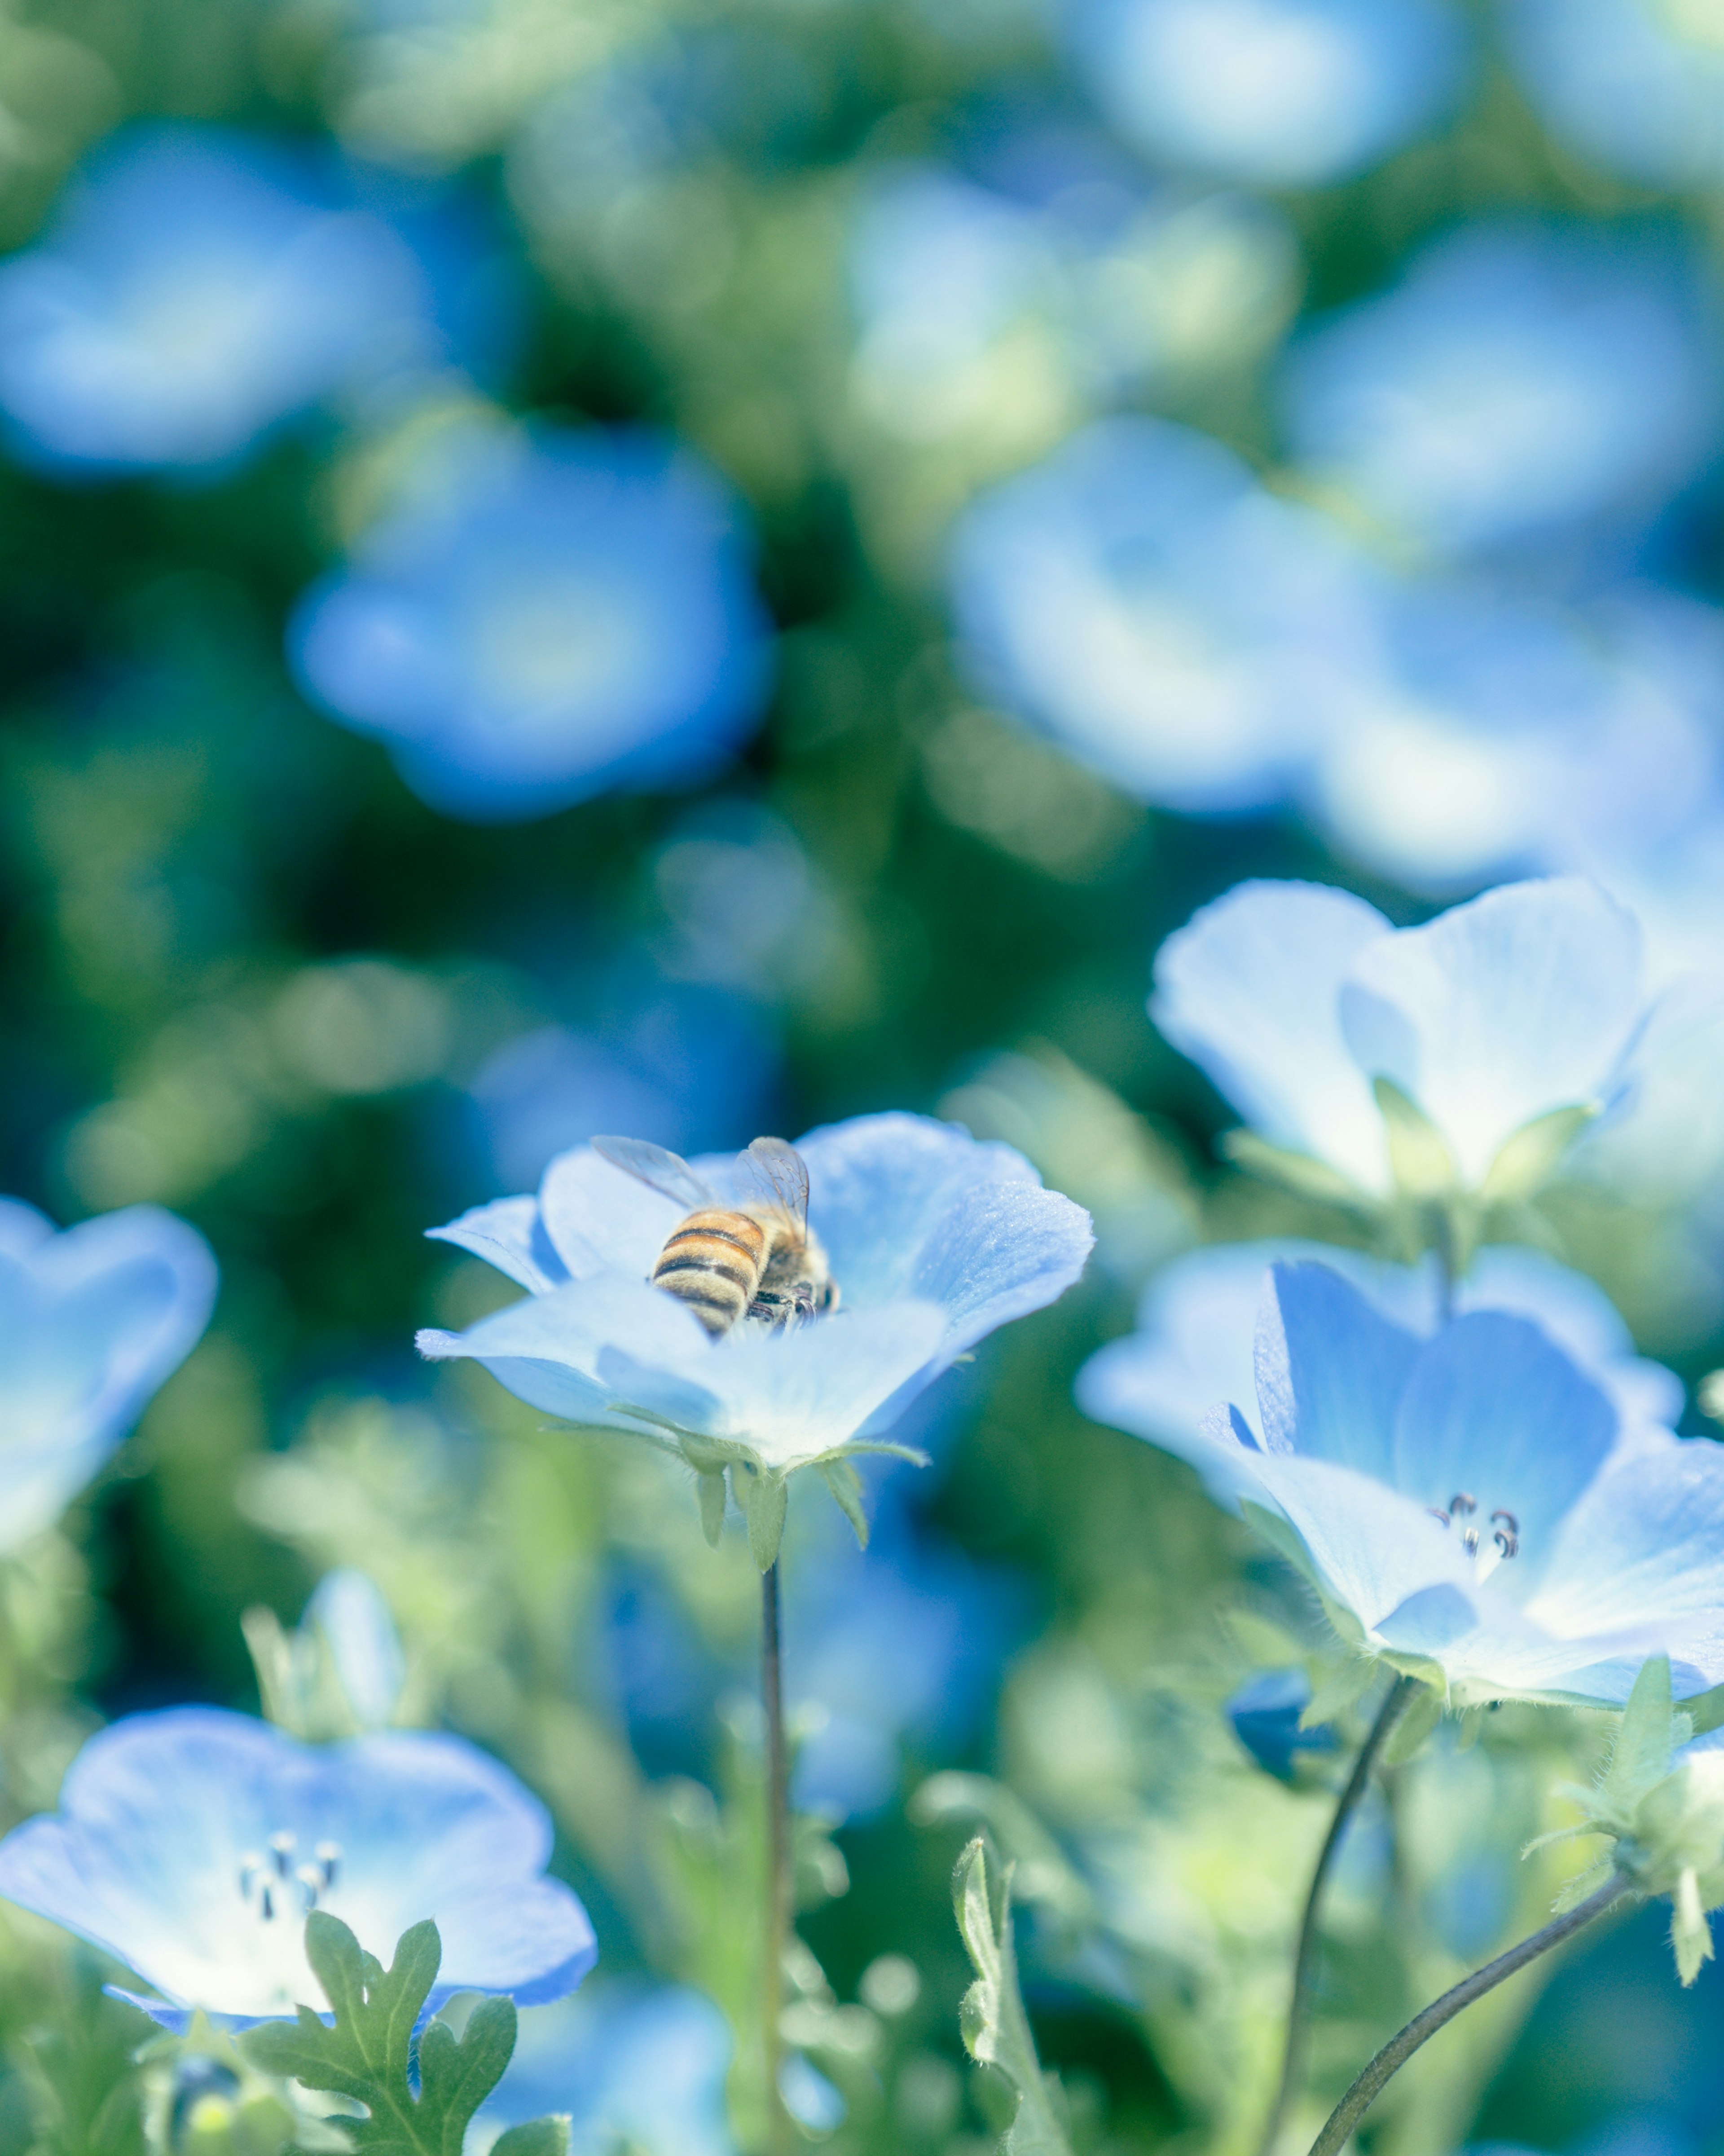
1646 1738
765 1498
1338 1691
1528 1158
368 2054
996 2029
845 1485
1417 1719
1690 1934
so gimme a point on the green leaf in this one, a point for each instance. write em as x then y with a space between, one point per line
764 1497
1418 1719
1530 1155
845 1485
368 2054
539 2137
1647 1737
1419 1161
710 1491
996 2029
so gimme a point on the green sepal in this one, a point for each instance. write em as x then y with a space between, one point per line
710 1489
1301 1173
367 2054
1706 1710
994 2025
765 1498
1646 1739
845 1484
1416 1722
1418 1159
1338 1691
1529 1157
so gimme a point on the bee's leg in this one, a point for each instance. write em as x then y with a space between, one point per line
772 1309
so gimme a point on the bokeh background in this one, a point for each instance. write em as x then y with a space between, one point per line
582 565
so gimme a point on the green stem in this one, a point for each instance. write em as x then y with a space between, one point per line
1395 2054
1305 1957
777 1855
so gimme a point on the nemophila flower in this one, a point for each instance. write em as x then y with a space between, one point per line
1636 86
198 286
1265 1713
1171 624
1472 1507
542 617
92 1321
933 1241
1521 377
1194 1342
1275 92
1458 1057
190 1843
638 2066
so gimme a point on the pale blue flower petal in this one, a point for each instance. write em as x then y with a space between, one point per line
1331 1370
22 1229
162 1814
1250 989
348 1609
1617 81
1523 1001
508 1234
1492 1408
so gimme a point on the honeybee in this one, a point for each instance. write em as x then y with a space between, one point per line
759 1259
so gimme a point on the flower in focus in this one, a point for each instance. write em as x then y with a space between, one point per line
93 1319
934 1241
1274 92
1192 1344
540 617
1173 625
1460 1058
1521 377
198 287
1473 1508
191 1845
633 2066
1637 86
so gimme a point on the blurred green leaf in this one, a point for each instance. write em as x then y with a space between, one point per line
996 2029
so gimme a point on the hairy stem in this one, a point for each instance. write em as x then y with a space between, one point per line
776 1911
1395 2054
1305 1958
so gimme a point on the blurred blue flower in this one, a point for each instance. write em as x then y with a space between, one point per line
190 1844
1170 622
1636 86
1274 92
934 1241
1522 376
198 286
92 1322
1471 1508
687 1068
639 2066
1192 1344
1295 997
540 617
348 1611
1264 1712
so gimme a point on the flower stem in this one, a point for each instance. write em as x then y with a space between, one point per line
1395 2054
777 1855
1305 1957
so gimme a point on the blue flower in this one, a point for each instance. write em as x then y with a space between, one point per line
540 617
1472 1507
1633 85
934 1241
1174 626
1275 92
348 1611
635 2065
1522 376
198 287
1265 1713
1499 1013
92 1322
190 1844
1192 1344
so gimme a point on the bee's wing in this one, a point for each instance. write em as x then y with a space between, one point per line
659 1170
776 1174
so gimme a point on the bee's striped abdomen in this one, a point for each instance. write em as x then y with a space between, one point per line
713 1263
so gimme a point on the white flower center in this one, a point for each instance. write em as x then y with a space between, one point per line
278 1883
1503 1531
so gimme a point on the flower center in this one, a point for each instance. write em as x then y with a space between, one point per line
279 1882
1463 1512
